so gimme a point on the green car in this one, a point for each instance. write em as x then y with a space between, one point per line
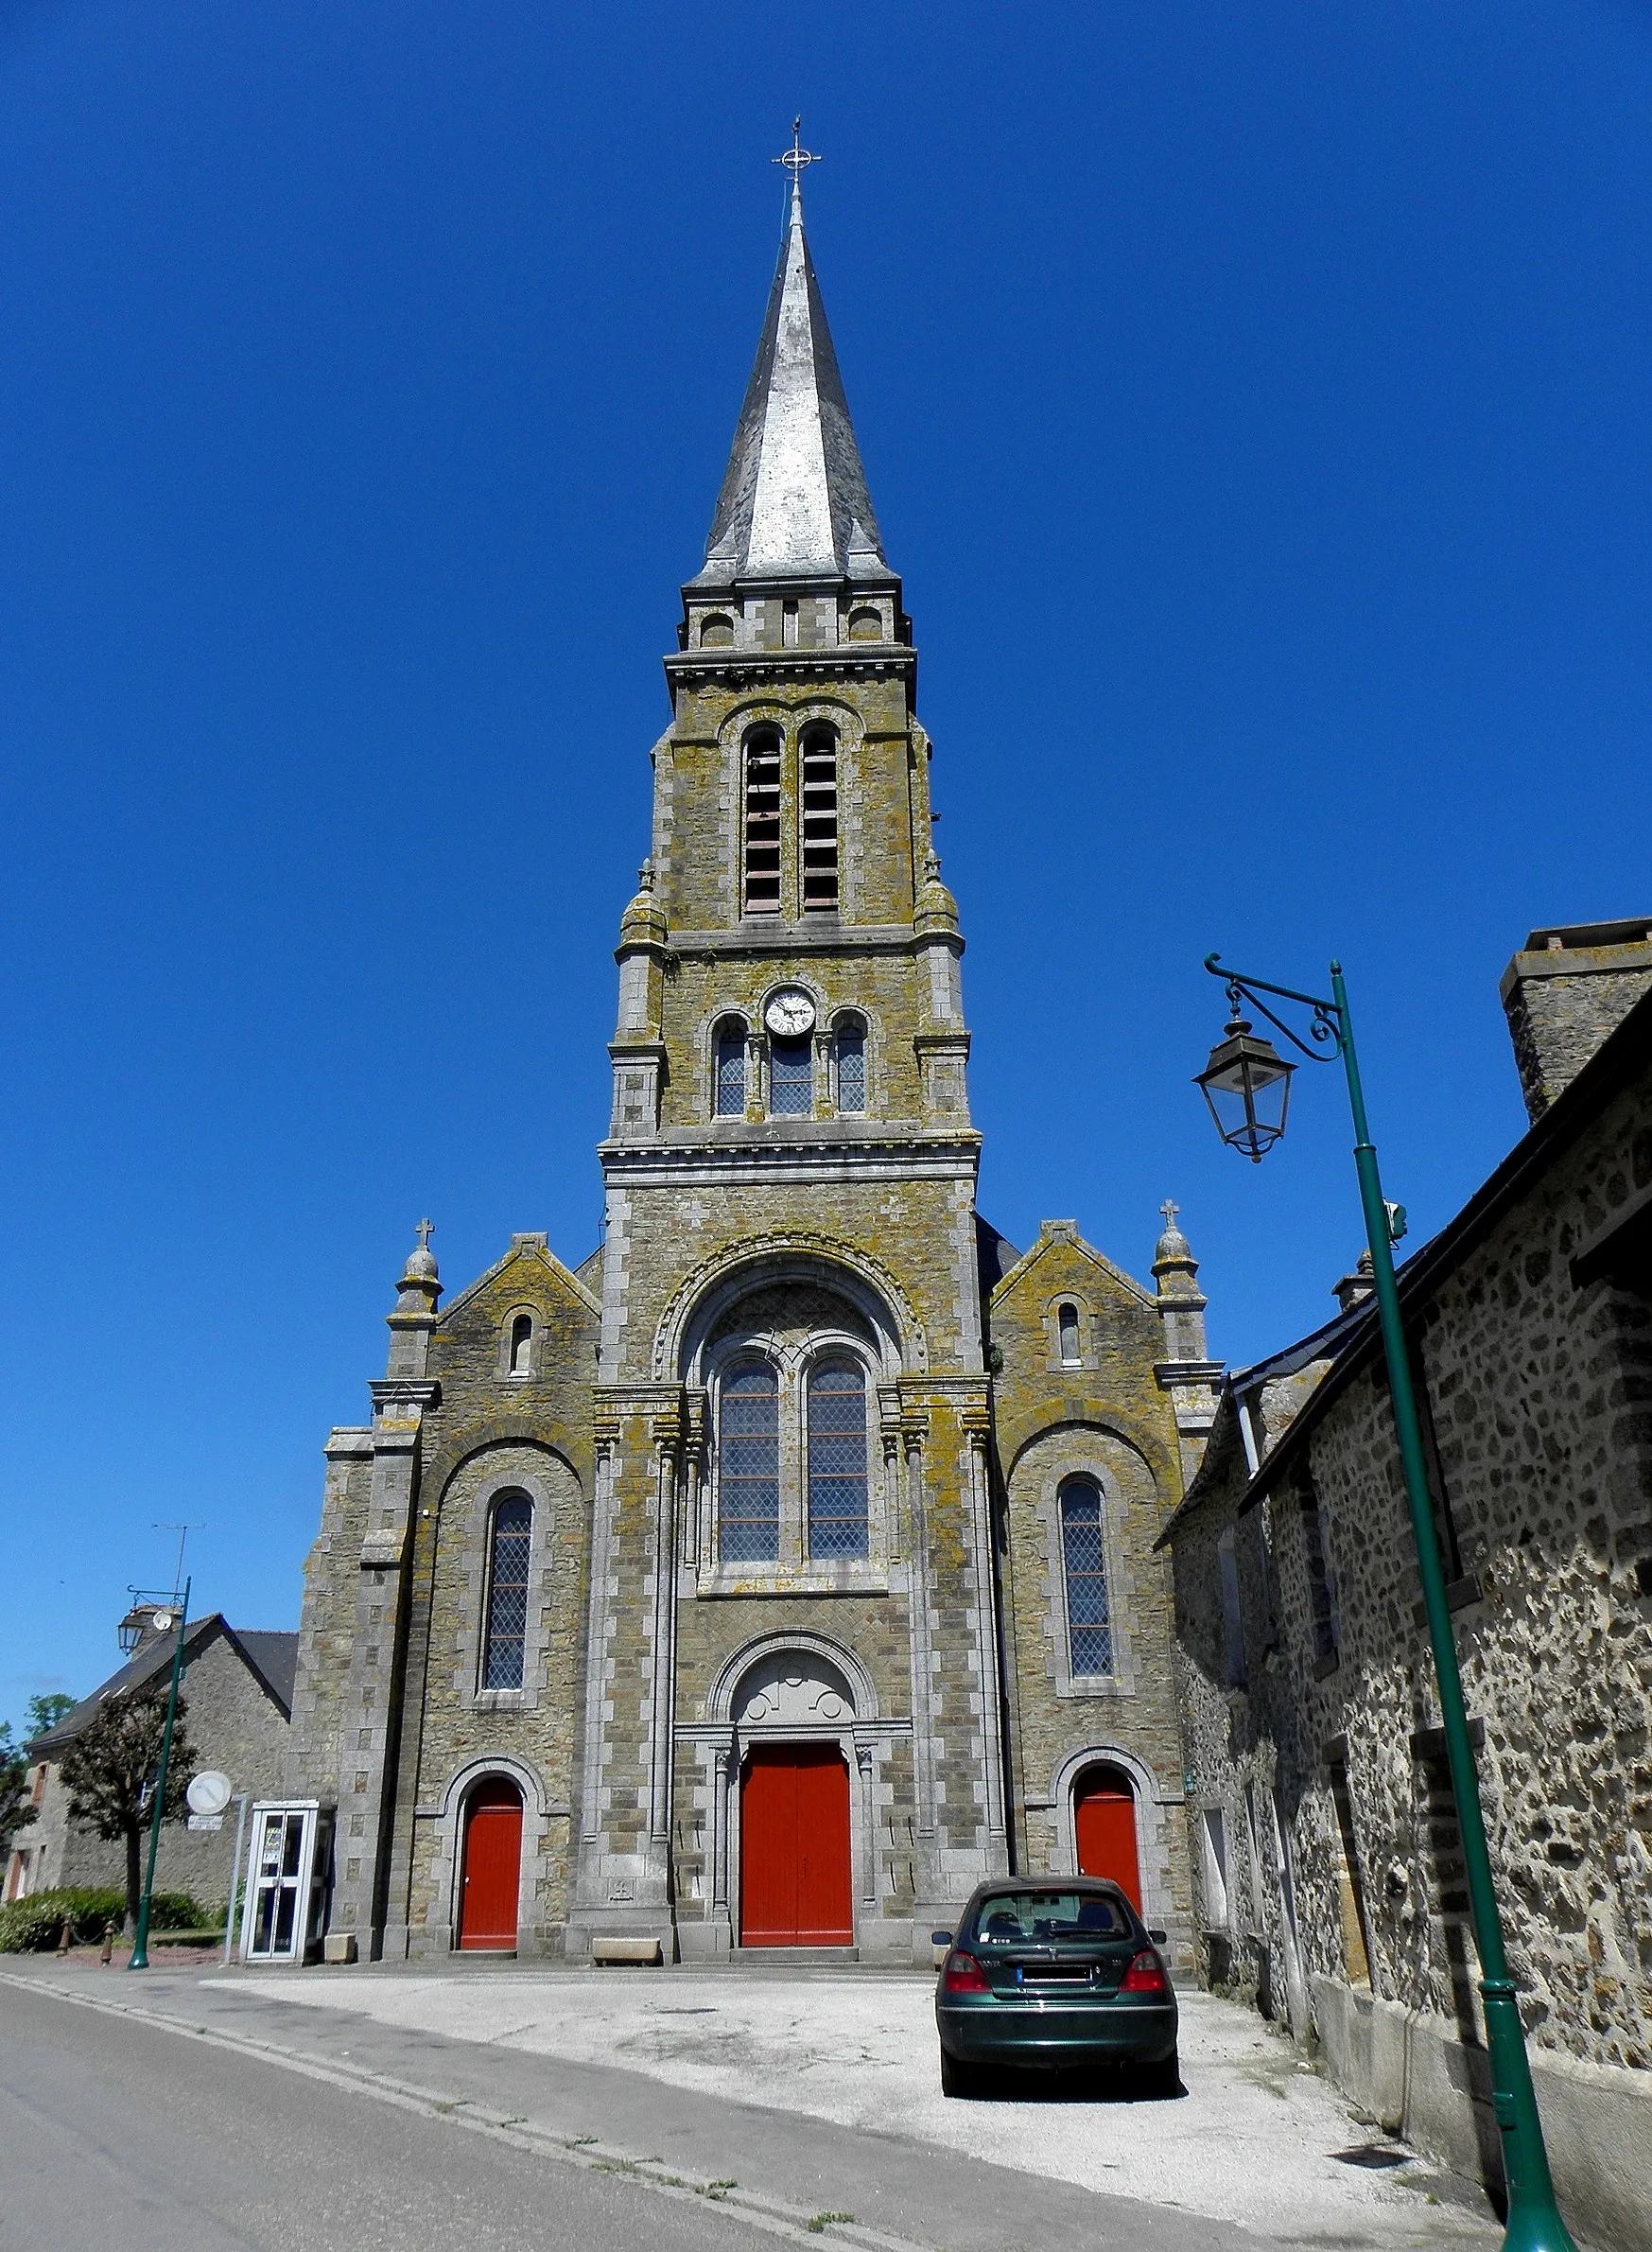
1060 1976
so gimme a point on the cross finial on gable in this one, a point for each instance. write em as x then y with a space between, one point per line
1169 1209
425 1231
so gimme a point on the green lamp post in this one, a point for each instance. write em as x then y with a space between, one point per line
140 1955
1247 1085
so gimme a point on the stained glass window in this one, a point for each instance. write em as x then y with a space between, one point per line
1090 1628
790 1078
837 1460
851 1047
507 1593
730 1094
749 1466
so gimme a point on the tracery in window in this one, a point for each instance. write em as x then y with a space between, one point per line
762 822
849 1052
820 820
507 1627
1066 1330
522 1345
838 1522
1090 1629
728 1094
749 1466
790 1078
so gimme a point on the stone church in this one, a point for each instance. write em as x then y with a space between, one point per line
788 1566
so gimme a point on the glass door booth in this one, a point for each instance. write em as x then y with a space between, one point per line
289 1882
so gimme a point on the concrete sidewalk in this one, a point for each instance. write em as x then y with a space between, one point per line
822 2089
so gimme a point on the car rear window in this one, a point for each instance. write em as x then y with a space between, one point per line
1011 1919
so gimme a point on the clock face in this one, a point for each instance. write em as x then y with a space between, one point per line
790 1012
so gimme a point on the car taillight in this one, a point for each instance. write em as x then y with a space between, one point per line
964 1975
1144 1976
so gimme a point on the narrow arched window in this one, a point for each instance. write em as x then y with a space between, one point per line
1066 1327
513 1539
728 1094
837 1460
820 820
849 1046
748 1493
522 1345
791 1077
762 822
1090 1629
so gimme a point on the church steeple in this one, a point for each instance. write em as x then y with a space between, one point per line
794 504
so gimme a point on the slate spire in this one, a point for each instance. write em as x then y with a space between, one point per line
794 504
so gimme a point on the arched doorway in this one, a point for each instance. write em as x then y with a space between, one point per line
796 1887
490 1871
1103 1822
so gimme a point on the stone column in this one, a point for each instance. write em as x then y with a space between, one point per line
976 1430
868 1828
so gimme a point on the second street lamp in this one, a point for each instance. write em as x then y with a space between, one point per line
1236 1073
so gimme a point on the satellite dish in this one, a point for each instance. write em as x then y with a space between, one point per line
209 1792
163 1622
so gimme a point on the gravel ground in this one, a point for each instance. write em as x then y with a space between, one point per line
1257 2139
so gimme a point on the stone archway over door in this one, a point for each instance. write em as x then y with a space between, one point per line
1103 1821
491 1874
795 1883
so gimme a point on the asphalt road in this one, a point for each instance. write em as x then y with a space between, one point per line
117 2134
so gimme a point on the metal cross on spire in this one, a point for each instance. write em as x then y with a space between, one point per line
797 159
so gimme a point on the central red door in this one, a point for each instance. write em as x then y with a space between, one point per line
794 1849
488 1882
1103 1815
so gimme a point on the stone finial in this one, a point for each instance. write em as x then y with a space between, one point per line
643 922
1174 1264
421 1267
934 908
1351 1289
415 1314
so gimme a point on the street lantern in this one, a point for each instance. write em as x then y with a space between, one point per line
1247 1085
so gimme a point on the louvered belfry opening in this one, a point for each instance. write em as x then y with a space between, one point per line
820 821
762 814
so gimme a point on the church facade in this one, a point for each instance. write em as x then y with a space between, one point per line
789 1566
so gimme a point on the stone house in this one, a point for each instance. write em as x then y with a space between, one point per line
237 1686
1327 1875
776 1573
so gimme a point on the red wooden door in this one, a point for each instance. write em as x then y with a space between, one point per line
794 1849
1103 1814
493 1866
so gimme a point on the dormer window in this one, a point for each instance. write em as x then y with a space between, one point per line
522 1345
1067 1333
762 822
820 820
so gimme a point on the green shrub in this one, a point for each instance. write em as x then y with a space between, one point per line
33 1925
178 1911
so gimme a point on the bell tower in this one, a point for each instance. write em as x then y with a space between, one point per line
790 1160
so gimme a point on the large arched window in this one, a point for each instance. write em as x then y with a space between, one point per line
749 1466
838 1523
728 1070
1089 1629
849 1053
762 822
509 1550
820 820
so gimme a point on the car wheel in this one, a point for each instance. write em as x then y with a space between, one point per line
957 2078
1161 2080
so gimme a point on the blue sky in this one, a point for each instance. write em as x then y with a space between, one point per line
1254 398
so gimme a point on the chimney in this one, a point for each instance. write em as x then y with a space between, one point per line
1567 991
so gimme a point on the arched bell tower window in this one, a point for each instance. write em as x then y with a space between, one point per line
762 822
1090 1628
522 1345
728 1069
1067 1331
849 1056
838 1522
507 1555
820 820
749 1465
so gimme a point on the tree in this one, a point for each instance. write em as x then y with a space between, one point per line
15 1809
110 1769
45 1711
